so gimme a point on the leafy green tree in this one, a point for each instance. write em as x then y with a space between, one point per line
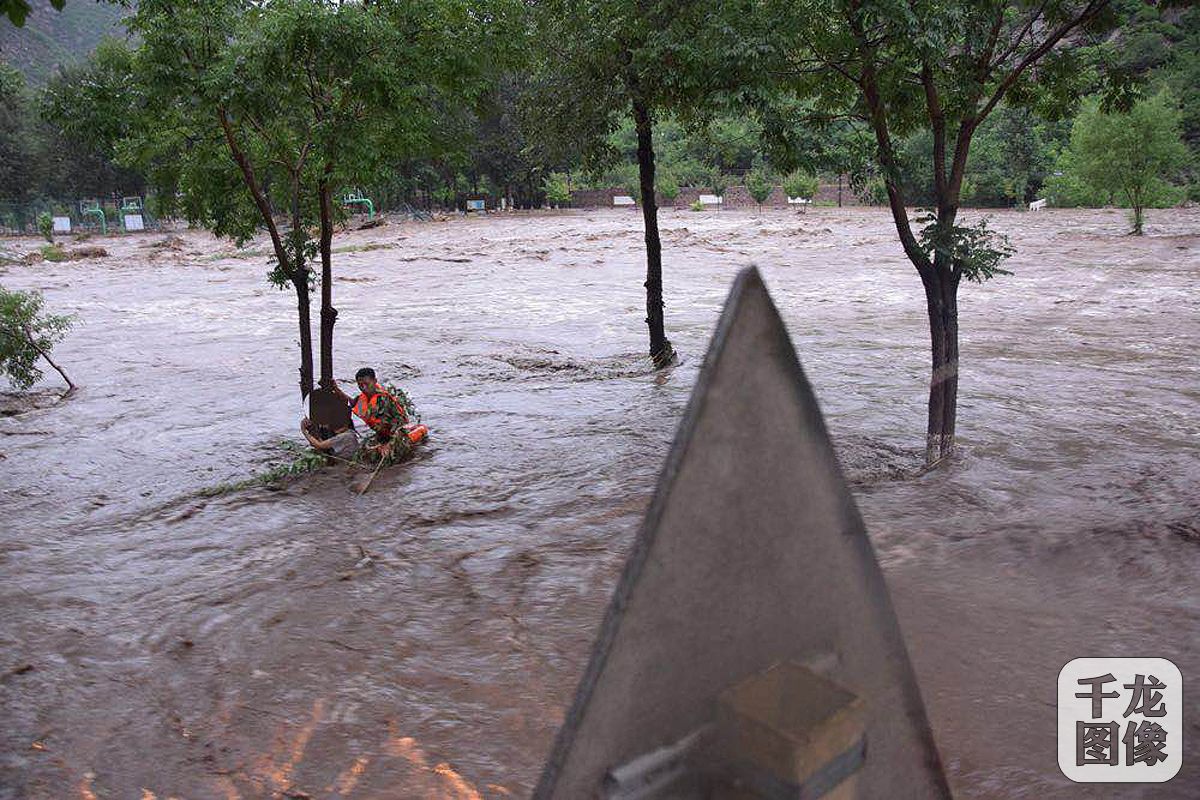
759 184
1012 157
17 144
557 191
901 66
668 186
1065 189
602 62
801 184
45 223
85 111
728 143
27 336
254 110
1131 153
503 149
720 185
690 152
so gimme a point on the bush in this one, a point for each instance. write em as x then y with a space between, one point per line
801 184
45 224
873 191
697 206
53 252
720 184
758 183
633 188
556 187
668 187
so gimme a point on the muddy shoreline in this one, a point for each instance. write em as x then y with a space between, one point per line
158 642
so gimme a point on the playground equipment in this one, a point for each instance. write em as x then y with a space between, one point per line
356 198
132 214
91 208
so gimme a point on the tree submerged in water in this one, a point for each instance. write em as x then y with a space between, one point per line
254 116
1130 153
899 68
27 336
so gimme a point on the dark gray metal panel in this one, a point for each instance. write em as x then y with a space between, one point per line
752 552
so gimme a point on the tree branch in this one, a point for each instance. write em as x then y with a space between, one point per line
1016 43
32 341
937 121
260 199
887 158
1091 10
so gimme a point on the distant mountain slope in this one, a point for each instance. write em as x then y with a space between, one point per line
51 38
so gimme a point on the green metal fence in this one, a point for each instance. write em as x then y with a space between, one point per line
87 215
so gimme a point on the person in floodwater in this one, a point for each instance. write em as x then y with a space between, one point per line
382 413
343 444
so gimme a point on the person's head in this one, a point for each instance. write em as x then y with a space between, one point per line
365 378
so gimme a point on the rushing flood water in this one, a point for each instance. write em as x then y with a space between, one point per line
424 639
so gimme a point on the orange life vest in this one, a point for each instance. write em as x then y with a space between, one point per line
369 410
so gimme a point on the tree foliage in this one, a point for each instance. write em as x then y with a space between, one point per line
27 336
759 185
252 110
800 184
17 144
1131 153
602 62
557 190
899 68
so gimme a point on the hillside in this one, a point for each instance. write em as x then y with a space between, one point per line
51 38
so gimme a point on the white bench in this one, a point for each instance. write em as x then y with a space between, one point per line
1037 205
711 199
623 200
799 201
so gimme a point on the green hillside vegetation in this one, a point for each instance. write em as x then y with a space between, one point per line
50 39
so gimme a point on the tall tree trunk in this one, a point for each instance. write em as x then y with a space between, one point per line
941 298
328 312
300 282
299 272
660 349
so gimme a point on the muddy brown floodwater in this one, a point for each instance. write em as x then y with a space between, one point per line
158 644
